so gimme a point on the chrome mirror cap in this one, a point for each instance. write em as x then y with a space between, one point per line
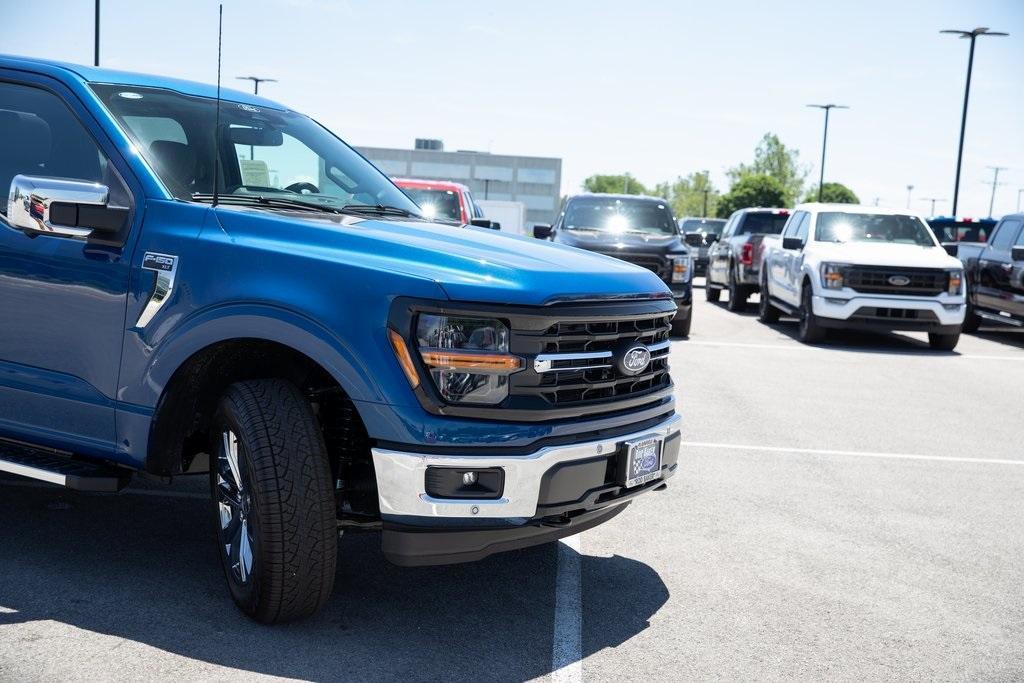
31 200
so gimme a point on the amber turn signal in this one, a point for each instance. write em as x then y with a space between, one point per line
404 359
458 360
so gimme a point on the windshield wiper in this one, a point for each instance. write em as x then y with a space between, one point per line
261 200
380 210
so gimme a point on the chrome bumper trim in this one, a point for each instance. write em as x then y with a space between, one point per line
401 476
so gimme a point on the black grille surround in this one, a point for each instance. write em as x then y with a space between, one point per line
656 263
875 280
570 389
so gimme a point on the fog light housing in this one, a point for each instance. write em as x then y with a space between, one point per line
465 483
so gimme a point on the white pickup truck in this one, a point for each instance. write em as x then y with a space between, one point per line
844 266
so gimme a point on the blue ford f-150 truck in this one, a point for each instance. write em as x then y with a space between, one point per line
196 284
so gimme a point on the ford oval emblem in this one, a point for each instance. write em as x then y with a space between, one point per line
635 360
899 280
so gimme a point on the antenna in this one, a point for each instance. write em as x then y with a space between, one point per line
216 125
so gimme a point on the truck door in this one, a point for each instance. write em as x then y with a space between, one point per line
62 299
998 275
793 259
718 254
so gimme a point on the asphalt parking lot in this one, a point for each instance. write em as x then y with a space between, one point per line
846 511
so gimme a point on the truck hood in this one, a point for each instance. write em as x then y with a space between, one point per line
469 264
884 254
609 242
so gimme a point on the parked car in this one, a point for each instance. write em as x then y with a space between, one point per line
995 275
844 266
332 359
639 230
734 261
699 234
445 202
956 229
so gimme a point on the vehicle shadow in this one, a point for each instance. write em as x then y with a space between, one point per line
1003 335
144 568
865 341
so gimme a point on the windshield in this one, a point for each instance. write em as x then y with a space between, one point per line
442 205
262 151
862 227
619 215
762 223
711 227
962 231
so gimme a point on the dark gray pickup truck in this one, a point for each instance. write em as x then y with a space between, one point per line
995 275
734 261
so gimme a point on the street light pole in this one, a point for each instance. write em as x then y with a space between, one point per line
706 190
973 36
933 200
824 141
1018 198
96 38
910 191
995 184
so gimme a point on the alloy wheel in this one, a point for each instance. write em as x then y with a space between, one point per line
234 507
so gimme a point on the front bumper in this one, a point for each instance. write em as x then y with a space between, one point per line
545 493
944 314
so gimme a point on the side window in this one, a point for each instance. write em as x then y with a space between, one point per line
727 230
792 224
40 135
803 229
1020 238
1005 234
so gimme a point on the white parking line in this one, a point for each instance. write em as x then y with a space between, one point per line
858 454
156 493
788 347
567 646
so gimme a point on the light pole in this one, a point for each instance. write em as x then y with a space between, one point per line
973 36
256 80
1018 198
933 200
96 39
910 191
706 190
824 141
995 184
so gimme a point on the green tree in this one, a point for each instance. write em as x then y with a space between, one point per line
772 158
833 193
617 184
686 195
751 190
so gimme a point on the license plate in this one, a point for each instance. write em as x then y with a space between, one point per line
643 461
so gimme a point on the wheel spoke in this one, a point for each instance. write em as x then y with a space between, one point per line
244 552
230 449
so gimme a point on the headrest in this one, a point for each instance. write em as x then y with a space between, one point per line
24 139
176 159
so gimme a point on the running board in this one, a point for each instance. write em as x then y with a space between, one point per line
995 317
781 305
59 468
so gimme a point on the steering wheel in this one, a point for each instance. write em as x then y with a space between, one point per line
303 188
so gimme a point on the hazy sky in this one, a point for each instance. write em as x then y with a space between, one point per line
658 89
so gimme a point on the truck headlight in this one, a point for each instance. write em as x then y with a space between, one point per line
467 358
956 282
832 275
681 268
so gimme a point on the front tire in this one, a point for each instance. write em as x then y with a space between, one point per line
972 321
737 294
274 501
810 332
766 313
943 342
681 326
711 293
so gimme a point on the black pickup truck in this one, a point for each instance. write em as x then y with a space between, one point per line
995 275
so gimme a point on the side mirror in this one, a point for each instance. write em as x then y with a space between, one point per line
54 206
1017 253
793 243
694 239
952 248
541 231
485 223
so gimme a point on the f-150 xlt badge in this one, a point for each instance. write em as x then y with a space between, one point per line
165 268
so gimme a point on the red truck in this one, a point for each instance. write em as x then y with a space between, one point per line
445 202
